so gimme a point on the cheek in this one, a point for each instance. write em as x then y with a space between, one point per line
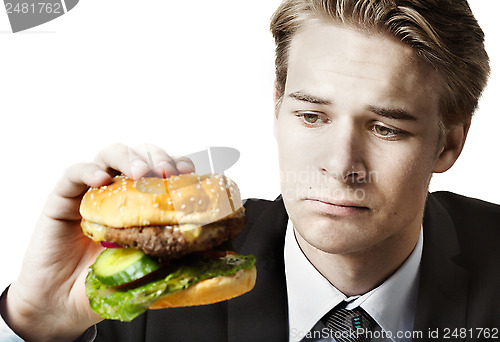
295 160
294 149
403 179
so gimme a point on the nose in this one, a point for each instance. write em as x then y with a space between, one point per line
343 154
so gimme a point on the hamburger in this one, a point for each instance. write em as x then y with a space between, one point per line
168 244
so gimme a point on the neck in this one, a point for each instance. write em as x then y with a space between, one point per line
356 273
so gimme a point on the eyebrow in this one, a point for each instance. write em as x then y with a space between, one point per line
398 114
391 113
300 96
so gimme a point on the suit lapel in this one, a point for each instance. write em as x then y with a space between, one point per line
262 314
442 298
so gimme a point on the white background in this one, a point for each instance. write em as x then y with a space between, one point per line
180 74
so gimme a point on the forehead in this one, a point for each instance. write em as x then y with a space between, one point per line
324 55
314 30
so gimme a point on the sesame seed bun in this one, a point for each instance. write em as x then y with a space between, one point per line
182 199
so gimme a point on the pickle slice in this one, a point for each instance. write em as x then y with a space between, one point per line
119 266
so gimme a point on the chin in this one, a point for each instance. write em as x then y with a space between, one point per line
332 237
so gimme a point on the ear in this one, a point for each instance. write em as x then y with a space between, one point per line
453 144
275 127
276 109
276 93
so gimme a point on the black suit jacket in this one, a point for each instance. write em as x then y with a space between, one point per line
459 284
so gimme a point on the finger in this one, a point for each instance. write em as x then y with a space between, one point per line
123 159
160 161
79 177
184 164
64 201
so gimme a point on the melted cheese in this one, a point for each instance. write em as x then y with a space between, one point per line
190 231
94 231
97 232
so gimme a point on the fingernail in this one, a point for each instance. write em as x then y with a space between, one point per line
101 174
184 166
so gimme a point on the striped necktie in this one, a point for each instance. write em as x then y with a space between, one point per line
349 325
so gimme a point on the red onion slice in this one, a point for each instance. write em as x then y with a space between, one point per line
108 244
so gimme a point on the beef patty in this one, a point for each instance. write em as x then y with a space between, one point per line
169 241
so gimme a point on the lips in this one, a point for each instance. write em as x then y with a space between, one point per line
335 207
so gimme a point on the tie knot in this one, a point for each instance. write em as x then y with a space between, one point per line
349 325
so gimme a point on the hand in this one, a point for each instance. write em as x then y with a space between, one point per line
48 301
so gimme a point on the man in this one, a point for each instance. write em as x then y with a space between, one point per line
372 98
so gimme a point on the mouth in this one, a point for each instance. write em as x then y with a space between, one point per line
335 208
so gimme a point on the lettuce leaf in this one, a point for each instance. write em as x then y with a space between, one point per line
126 303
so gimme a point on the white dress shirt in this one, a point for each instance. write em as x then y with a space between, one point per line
310 296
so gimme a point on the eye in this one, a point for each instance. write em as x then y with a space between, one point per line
311 119
388 132
383 131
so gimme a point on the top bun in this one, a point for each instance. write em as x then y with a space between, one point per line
181 199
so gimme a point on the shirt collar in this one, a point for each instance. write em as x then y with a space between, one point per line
311 296
392 305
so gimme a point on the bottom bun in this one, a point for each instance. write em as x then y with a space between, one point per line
210 291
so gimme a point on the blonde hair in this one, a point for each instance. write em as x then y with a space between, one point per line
442 32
